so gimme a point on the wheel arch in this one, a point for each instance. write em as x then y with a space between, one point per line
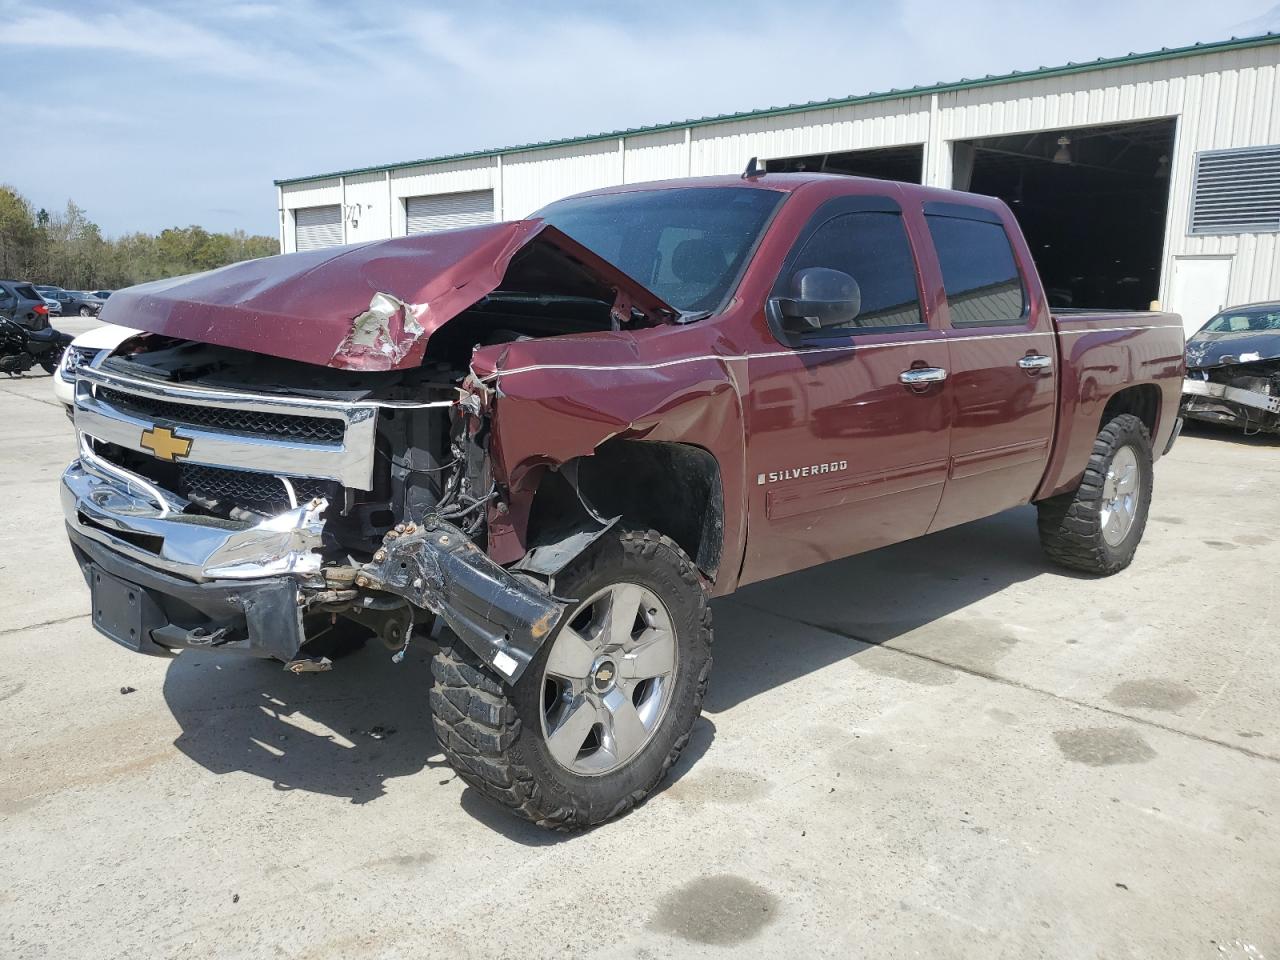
1141 399
671 487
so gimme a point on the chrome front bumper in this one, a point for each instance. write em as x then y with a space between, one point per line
136 519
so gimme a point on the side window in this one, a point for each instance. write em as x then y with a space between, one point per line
872 247
979 274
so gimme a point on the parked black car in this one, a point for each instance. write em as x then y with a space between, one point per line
22 303
1233 369
74 301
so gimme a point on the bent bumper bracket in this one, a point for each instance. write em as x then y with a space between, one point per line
502 619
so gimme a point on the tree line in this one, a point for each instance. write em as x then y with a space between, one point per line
68 249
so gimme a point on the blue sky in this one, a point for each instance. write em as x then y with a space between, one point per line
159 114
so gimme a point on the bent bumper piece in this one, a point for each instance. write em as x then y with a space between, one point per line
503 619
1220 391
138 520
152 612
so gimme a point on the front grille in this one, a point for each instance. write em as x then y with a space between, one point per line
282 425
260 492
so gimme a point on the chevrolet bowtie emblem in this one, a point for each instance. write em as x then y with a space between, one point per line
165 444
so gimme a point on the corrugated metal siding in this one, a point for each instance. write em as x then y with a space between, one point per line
533 179
316 227
1221 100
366 207
656 156
726 148
448 211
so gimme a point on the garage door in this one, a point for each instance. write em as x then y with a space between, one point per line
316 227
448 210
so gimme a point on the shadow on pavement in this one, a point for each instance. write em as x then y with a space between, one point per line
345 733
1212 431
342 734
874 598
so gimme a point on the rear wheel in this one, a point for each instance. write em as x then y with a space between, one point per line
605 707
1097 527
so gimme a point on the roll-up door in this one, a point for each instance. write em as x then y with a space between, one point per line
445 211
316 227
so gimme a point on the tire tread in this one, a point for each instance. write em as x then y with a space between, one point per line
477 726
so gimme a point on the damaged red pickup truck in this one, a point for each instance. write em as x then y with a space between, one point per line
560 437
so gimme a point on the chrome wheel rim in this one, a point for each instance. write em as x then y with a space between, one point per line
608 679
1120 494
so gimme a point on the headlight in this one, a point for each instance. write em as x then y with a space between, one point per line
72 359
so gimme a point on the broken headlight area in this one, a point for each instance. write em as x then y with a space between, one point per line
262 522
1237 394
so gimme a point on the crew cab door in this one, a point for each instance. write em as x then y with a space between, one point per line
1003 379
842 455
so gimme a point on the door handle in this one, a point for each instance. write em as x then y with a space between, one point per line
922 376
1036 361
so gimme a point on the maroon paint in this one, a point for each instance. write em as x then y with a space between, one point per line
990 437
301 306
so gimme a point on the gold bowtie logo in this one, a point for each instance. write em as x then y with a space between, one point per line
162 442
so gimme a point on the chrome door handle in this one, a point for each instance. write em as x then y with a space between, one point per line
922 376
1036 361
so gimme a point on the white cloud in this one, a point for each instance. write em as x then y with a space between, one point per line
214 100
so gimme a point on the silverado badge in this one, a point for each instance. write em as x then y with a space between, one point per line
165 444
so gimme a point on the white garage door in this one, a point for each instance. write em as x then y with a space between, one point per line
445 211
316 227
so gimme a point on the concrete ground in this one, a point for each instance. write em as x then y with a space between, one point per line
75 325
944 749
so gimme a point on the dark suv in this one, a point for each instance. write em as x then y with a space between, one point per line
21 302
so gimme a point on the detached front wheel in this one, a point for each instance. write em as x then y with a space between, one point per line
605 708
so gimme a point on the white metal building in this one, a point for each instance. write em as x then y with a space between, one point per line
1149 176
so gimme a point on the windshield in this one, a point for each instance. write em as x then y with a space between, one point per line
1249 321
687 245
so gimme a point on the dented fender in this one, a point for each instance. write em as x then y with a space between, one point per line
554 400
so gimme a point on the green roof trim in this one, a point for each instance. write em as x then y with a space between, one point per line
990 80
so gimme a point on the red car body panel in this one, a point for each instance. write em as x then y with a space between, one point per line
991 436
307 306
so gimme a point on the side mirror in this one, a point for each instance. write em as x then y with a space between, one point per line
819 297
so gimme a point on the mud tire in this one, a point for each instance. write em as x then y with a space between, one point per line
492 732
1071 524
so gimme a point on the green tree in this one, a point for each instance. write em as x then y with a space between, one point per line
68 249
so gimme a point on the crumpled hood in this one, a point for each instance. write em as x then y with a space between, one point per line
1207 349
370 306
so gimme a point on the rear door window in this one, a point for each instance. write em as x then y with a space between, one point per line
28 293
979 272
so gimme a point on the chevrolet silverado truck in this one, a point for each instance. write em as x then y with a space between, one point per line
551 442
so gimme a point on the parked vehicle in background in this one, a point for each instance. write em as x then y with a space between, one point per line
21 302
21 348
53 303
102 294
562 436
82 303
73 302
1233 369
82 351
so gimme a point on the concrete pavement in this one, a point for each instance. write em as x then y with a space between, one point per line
943 749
